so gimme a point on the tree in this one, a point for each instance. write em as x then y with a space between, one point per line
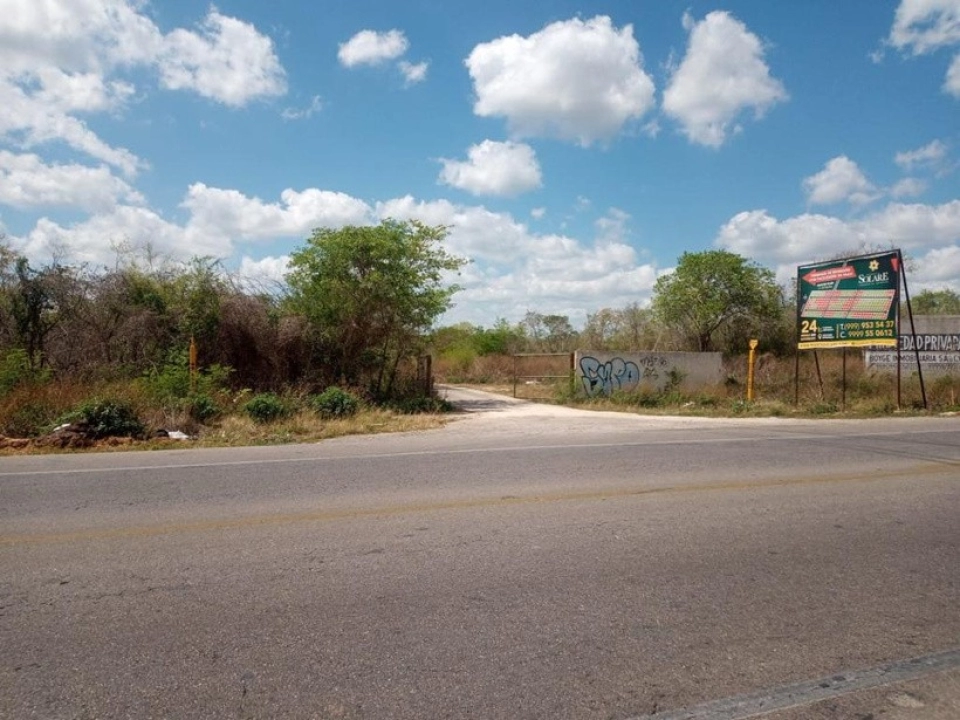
714 291
936 302
548 333
626 329
8 281
38 305
368 294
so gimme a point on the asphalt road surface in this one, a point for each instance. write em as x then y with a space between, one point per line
523 562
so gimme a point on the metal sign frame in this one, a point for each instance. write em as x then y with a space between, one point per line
852 302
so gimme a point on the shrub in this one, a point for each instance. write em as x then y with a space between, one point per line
417 405
202 407
823 407
334 403
28 419
266 407
108 418
15 370
459 361
171 381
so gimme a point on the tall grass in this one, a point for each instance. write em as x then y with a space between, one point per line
33 410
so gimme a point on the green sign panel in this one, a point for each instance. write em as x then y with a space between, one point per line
849 303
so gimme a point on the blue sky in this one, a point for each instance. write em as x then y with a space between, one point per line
575 149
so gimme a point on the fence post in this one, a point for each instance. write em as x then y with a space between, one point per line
751 359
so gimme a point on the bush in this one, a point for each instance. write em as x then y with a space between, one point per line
418 405
202 408
334 403
266 407
27 420
171 382
15 370
822 407
108 418
459 361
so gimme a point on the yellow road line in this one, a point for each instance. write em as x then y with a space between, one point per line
317 516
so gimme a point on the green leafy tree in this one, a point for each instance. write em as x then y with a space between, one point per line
368 295
936 302
501 339
713 292
197 290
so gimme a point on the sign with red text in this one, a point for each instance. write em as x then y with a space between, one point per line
851 302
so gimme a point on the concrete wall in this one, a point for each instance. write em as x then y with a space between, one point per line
937 339
602 373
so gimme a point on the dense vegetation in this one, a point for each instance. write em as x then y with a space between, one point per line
353 315
343 333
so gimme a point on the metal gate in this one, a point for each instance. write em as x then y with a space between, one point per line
544 377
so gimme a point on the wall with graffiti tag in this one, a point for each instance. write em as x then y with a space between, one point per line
603 373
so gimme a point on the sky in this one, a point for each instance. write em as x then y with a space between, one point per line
574 149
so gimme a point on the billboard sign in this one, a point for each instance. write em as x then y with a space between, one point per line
851 302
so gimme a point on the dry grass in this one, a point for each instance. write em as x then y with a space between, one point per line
862 393
236 430
866 394
240 431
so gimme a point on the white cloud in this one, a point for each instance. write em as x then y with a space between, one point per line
93 240
841 180
938 268
912 227
951 85
538 213
228 61
574 80
413 73
925 25
514 269
722 75
231 214
266 271
27 182
80 92
494 168
59 58
369 47
75 35
315 106
32 121
218 218
930 155
613 227
759 236
908 187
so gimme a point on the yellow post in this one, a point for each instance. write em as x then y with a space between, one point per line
193 365
750 360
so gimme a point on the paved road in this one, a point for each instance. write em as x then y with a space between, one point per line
523 562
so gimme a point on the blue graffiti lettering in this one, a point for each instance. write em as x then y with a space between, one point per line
605 378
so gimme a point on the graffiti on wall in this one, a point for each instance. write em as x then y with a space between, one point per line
605 378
